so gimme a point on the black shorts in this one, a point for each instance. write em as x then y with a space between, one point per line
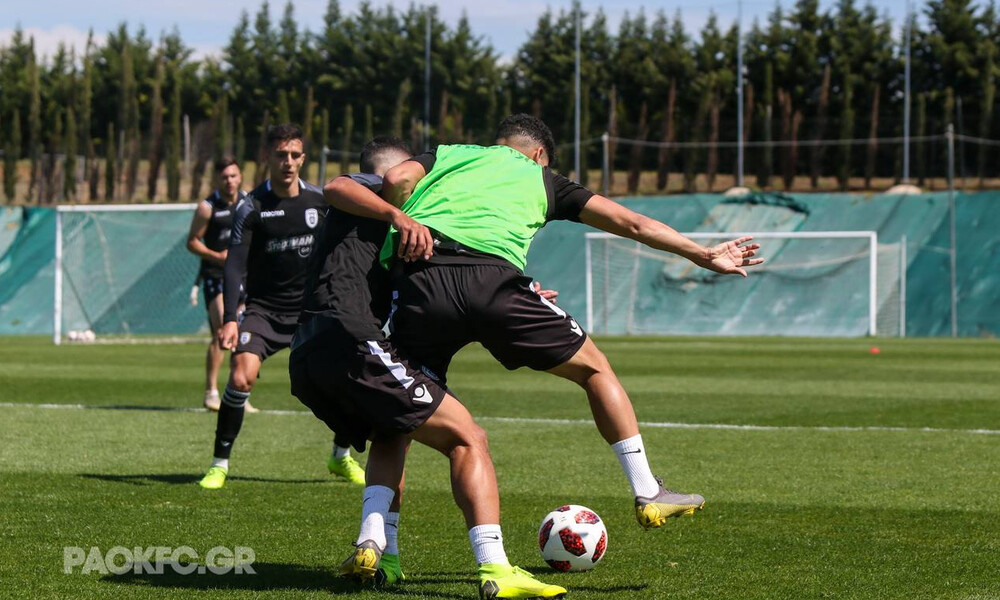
265 333
438 309
211 288
370 388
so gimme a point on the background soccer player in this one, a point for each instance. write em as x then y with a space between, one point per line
273 233
485 205
209 240
362 386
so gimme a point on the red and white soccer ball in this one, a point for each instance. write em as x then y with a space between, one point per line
572 538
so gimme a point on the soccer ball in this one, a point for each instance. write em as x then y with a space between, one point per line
572 538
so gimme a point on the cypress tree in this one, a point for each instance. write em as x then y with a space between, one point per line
110 158
90 168
69 169
666 152
11 152
223 137
369 123
846 130
34 123
399 112
239 142
872 136
307 124
284 114
156 129
345 145
129 123
921 149
987 100
174 140
767 115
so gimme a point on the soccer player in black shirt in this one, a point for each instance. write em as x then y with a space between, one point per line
273 234
354 379
473 289
208 239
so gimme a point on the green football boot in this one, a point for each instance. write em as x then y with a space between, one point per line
389 571
214 479
346 467
506 581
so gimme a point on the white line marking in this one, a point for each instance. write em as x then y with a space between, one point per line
650 424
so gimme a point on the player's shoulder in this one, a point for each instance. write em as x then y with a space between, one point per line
254 197
250 202
370 180
311 191
212 199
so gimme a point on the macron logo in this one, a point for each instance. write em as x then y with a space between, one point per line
272 213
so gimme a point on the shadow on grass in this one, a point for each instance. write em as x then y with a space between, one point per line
276 576
188 479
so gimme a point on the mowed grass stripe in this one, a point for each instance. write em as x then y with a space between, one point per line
528 420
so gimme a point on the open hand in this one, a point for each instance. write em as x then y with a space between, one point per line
730 258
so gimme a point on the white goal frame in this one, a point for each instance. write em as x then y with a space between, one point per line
57 308
871 236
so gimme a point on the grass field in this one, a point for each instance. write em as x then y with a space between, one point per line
829 473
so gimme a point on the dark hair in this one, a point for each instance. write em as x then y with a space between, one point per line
284 132
224 163
530 127
376 146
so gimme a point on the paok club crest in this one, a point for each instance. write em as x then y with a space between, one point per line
312 218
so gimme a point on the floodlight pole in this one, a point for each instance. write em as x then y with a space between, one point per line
576 83
951 227
906 100
739 93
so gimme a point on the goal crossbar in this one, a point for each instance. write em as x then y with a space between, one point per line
871 236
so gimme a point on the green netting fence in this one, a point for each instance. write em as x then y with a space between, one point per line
129 274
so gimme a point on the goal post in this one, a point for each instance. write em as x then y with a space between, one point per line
123 272
813 283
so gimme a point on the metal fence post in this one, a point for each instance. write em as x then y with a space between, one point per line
605 167
950 134
322 166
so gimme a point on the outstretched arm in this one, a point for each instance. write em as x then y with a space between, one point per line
728 258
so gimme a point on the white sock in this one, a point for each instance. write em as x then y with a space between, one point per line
340 452
221 462
632 456
392 533
487 544
374 509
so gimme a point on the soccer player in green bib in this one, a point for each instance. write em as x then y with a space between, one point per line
483 206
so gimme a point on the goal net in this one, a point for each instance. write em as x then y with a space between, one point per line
823 283
123 273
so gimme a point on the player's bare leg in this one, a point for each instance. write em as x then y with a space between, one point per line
243 371
451 431
213 356
616 420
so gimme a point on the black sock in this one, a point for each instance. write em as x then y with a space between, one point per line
230 421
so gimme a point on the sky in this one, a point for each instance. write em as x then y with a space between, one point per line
205 25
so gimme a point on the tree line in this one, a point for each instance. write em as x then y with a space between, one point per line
111 124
